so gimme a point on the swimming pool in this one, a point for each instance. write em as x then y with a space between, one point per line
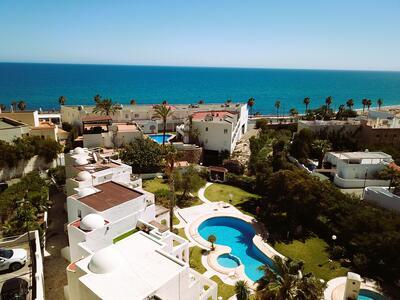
370 295
238 235
158 138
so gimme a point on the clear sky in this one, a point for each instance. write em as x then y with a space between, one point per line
328 34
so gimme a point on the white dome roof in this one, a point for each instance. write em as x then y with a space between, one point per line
80 161
78 150
91 222
105 260
83 176
85 192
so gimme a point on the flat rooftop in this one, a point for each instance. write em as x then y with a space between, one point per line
110 194
142 270
7 123
361 155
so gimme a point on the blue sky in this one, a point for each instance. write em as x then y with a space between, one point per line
339 34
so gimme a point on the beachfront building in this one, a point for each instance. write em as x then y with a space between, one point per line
32 117
101 131
11 129
358 169
217 130
49 130
143 115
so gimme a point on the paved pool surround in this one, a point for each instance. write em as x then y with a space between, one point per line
212 258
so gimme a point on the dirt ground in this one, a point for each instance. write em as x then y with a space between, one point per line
55 277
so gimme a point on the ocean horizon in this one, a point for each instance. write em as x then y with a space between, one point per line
40 85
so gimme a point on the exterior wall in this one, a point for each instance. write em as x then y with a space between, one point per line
48 133
104 139
335 126
379 136
10 134
74 207
123 138
358 183
212 135
380 196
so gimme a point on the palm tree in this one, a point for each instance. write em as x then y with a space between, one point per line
201 102
321 147
97 98
229 101
2 107
212 239
105 107
163 112
306 102
277 106
61 100
369 103
250 103
293 112
170 156
164 102
133 102
242 290
14 105
379 102
21 105
364 103
328 101
350 104
284 283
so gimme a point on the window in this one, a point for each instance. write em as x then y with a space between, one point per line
206 128
225 131
126 116
136 115
79 213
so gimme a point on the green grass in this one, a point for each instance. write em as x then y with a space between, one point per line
195 259
181 233
244 201
153 185
220 192
224 290
313 253
124 235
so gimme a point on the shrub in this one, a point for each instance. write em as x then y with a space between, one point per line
233 166
66 126
261 124
58 174
246 183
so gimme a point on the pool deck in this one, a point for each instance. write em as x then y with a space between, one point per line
194 216
335 288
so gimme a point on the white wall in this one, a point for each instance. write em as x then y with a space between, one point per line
380 196
358 183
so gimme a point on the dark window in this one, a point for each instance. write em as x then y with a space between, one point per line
206 128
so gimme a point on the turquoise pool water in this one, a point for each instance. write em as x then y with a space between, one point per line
238 235
370 295
158 138
228 261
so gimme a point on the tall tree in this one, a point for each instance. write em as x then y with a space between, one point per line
170 157
320 147
350 103
242 290
61 100
250 103
97 98
105 107
163 112
277 106
369 103
379 102
14 105
188 180
364 103
328 102
21 105
306 102
133 102
2 107
293 112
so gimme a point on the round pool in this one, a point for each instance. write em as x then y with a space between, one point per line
370 295
228 261
238 235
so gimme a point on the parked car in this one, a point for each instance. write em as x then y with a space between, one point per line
14 288
12 259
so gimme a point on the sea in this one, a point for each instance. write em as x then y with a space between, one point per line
40 85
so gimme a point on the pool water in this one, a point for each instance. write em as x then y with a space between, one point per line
238 235
158 138
228 261
370 295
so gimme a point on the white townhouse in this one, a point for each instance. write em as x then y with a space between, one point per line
358 169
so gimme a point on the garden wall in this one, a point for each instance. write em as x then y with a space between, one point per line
26 166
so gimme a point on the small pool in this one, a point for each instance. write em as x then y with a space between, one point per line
158 138
228 261
238 235
370 295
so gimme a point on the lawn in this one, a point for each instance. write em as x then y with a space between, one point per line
243 200
315 257
224 290
153 185
195 259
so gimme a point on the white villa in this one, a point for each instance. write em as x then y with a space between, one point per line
217 130
117 249
358 169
